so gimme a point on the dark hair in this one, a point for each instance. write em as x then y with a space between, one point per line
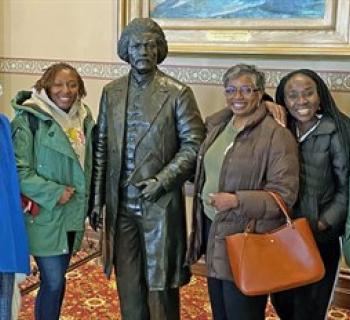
245 69
327 104
141 25
48 77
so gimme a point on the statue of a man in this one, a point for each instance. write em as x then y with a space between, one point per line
147 137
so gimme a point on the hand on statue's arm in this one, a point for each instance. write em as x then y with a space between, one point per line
278 112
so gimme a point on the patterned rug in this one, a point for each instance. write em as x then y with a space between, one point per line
90 296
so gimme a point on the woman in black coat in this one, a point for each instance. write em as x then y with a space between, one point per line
321 130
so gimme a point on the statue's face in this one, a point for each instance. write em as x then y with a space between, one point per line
143 52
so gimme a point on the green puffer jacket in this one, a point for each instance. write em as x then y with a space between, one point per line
46 163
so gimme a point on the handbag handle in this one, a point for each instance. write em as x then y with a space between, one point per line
250 228
280 202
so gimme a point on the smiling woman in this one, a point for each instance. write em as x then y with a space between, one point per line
322 134
245 154
64 90
52 133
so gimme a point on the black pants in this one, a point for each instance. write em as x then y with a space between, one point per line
227 301
311 302
137 302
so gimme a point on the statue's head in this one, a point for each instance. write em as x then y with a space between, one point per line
139 30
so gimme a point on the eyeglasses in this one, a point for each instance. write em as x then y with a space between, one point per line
246 91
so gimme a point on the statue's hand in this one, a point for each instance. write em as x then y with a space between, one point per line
96 218
151 189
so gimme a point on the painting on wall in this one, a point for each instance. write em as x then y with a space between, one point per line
278 27
236 9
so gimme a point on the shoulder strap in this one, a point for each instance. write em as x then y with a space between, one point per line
250 228
33 123
280 202
33 127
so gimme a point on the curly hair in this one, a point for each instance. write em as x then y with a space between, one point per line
141 25
48 77
245 69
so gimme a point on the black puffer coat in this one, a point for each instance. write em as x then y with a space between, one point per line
324 180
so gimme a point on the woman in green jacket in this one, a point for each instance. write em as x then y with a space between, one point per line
52 134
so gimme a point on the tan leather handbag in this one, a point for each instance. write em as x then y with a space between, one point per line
282 259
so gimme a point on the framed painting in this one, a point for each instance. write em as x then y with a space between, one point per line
293 27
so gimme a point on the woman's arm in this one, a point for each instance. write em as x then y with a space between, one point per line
282 176
335 213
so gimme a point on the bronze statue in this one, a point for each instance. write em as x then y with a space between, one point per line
147 137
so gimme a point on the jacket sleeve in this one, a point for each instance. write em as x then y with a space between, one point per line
334 214
282 176
44 192
99 156
190 130
346 240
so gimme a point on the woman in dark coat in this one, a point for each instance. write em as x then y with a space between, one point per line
245 154
321 130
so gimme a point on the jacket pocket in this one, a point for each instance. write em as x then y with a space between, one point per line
229 223
43 218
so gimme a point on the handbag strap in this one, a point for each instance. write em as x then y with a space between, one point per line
250 228
280 202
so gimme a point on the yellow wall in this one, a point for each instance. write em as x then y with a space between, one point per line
85 31
58 29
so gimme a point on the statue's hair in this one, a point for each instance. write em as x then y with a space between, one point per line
141 25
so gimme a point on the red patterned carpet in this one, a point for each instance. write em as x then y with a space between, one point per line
90 296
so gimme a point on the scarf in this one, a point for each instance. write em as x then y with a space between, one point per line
71 122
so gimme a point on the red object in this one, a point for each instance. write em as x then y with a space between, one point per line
29 206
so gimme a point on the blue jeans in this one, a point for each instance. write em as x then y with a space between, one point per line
52 286
52 282
6 292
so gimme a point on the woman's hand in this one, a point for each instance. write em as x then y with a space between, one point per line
278 112
321 226
222 201
66 195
